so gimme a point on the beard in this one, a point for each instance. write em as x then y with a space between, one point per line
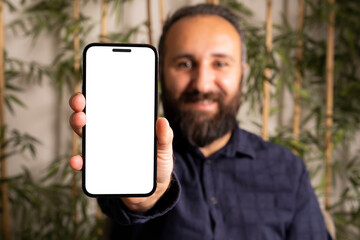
198 127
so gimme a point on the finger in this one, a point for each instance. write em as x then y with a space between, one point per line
77 102
164 135
77 121
76 162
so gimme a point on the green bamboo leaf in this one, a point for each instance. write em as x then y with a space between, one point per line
15 99
302 92
9 106
13 88
237 7
51 172
31 138
8 154
274 110
10 75
32 150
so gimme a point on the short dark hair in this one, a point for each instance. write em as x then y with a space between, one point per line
203 9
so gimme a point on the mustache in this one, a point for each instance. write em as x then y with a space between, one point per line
195 95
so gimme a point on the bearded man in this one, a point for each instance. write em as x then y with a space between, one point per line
214 180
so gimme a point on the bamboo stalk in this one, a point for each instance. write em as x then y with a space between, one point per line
267 73
5 220
162 12
148 8
298 71
280 99
103 30
329 103
76 45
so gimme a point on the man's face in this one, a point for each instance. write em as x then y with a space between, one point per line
202 74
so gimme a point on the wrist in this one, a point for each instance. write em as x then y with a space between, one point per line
144 204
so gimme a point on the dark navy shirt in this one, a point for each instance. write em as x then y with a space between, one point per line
250 189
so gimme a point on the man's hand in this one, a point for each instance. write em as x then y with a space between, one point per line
164 155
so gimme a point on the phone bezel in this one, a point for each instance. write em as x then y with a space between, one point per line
87 47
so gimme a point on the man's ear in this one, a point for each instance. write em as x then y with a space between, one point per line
245 66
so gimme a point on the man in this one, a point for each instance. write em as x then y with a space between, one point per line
226 183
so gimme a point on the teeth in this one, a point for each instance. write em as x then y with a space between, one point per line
205 102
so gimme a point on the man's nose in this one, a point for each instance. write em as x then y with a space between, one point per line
203 78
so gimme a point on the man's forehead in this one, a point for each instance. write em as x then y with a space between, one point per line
211 24
203 33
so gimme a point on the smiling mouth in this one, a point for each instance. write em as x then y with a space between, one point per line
196 100
203 105
204 102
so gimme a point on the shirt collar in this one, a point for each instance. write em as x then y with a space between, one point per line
239 144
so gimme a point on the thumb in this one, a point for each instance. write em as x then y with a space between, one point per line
164 135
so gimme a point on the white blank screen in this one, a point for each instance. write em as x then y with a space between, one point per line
120 108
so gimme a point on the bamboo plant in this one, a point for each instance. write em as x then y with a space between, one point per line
329 103
149 27
299 71
162 12
343 114
267 73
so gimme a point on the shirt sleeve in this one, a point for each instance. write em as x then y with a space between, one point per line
114 208
308 222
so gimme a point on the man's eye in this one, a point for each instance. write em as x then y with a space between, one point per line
186 64
220 64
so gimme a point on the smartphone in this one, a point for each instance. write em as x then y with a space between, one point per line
119 141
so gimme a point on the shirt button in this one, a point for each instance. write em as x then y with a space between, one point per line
213 200
208 161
